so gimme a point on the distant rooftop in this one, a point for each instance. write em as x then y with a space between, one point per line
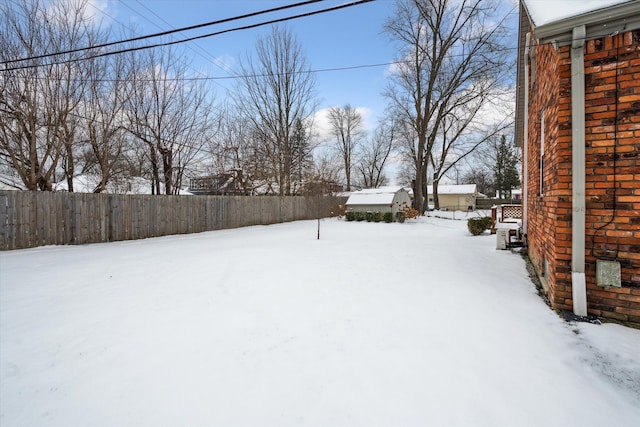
455 189
373 196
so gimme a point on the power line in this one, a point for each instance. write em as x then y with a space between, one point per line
199 51
170 26
246 27
242 76
164 33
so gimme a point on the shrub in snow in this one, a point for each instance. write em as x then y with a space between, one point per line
487 222
400 217
387 217
477 226
369 216
361 216
377 217
409 212
350 216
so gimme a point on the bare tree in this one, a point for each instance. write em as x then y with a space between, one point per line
450 50
276 92
347 127
324 174
482 176
458 138
231 148
37 96
169 114
104 121
375 154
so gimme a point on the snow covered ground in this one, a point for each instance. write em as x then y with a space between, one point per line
374 324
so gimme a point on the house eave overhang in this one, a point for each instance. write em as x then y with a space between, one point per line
598 23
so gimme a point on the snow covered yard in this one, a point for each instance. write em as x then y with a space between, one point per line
375 324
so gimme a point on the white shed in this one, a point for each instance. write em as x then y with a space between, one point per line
455 197
383 199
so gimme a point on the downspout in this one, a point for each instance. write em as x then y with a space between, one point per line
578 280
525 140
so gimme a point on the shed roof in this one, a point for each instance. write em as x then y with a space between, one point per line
455 189
374 196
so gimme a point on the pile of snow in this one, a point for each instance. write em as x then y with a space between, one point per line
374 324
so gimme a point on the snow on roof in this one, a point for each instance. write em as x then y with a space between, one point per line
455 189
374 196
546 11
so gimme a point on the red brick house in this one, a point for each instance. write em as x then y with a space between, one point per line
578 123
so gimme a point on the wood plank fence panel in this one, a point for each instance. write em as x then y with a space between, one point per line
30 219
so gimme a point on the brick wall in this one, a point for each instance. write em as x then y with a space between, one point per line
612 71
612 86
541 229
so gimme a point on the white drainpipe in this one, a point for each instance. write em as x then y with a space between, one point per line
578 280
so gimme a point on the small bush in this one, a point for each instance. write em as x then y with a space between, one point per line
369 216
361 216
377 216
487 222
476 226
409 212
400 216
387 217
350 216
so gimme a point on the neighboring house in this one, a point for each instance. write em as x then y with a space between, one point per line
455 197
516 194
578 123
225 184
320 187
383 199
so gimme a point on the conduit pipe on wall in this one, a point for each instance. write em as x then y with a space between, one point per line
525 142
578 193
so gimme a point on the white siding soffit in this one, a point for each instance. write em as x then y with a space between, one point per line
554 20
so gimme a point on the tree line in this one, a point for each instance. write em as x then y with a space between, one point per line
142 113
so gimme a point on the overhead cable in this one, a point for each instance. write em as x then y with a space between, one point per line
164 33
245 27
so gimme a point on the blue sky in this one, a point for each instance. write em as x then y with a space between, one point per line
348 37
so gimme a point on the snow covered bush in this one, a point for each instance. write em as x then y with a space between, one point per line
477 226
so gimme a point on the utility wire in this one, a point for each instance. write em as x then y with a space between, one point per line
209 58
246 27
240 76
199 51
164 33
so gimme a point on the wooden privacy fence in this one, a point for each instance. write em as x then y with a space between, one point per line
29 218
489 203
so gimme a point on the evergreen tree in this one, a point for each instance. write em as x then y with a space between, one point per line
505 170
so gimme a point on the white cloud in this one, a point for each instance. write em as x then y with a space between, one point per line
322 128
